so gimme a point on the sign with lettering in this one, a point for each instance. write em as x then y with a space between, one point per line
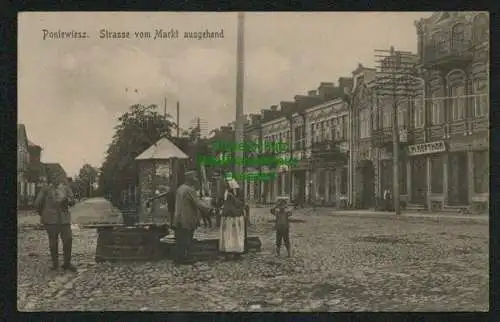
427 148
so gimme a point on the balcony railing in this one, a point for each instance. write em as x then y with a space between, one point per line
329 150
448 51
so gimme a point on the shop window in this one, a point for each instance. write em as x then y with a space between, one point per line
332 184
321 183
436 174
403 178
481 172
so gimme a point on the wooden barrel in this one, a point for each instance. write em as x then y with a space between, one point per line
129 244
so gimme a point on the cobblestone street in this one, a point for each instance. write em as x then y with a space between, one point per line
348 262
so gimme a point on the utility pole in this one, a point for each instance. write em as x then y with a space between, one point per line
165 108
239 94
393 79
178 125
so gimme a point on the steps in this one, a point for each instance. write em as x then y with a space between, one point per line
457 209
415 208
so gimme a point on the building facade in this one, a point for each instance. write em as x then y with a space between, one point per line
276 131
23 161
451 127
327 138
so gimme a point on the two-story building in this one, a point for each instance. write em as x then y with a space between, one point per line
29 170
451 136
275 129
328 139
365 171
23 160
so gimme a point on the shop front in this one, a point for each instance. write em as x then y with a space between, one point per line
299 181
469 172
426 166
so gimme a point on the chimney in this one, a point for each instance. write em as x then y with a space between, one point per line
327 90
255 118
287 107
345 83
274 108
312 93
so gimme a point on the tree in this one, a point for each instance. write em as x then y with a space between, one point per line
138 129
87 177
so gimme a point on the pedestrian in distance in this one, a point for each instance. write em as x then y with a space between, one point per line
387 199
52 204
282 213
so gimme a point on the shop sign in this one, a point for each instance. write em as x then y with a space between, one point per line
464 145
427 148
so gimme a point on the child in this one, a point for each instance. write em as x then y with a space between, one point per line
282 214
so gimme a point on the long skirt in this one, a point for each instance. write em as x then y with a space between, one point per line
232 235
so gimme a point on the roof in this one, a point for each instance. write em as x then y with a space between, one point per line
33 144
21 134
53 169
163 149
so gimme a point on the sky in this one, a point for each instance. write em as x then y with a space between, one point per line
71 91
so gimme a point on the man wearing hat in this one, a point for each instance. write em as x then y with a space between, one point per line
52 204
187 208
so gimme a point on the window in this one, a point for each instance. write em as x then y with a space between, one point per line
457 102
458 36
375 119
345 126
402 114
437 108
436 174
418 114
313 134
439 41
480 28
387 117
481 102
481 172
365 124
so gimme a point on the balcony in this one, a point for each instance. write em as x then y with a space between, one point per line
448 53
329 150
481 123
382 137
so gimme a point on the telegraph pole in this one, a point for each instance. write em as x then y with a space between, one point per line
239 94
393 79
178 125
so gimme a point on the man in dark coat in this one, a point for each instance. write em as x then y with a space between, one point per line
187 209
52 204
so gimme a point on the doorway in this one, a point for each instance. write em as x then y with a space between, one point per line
419 180
458 179
367 172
